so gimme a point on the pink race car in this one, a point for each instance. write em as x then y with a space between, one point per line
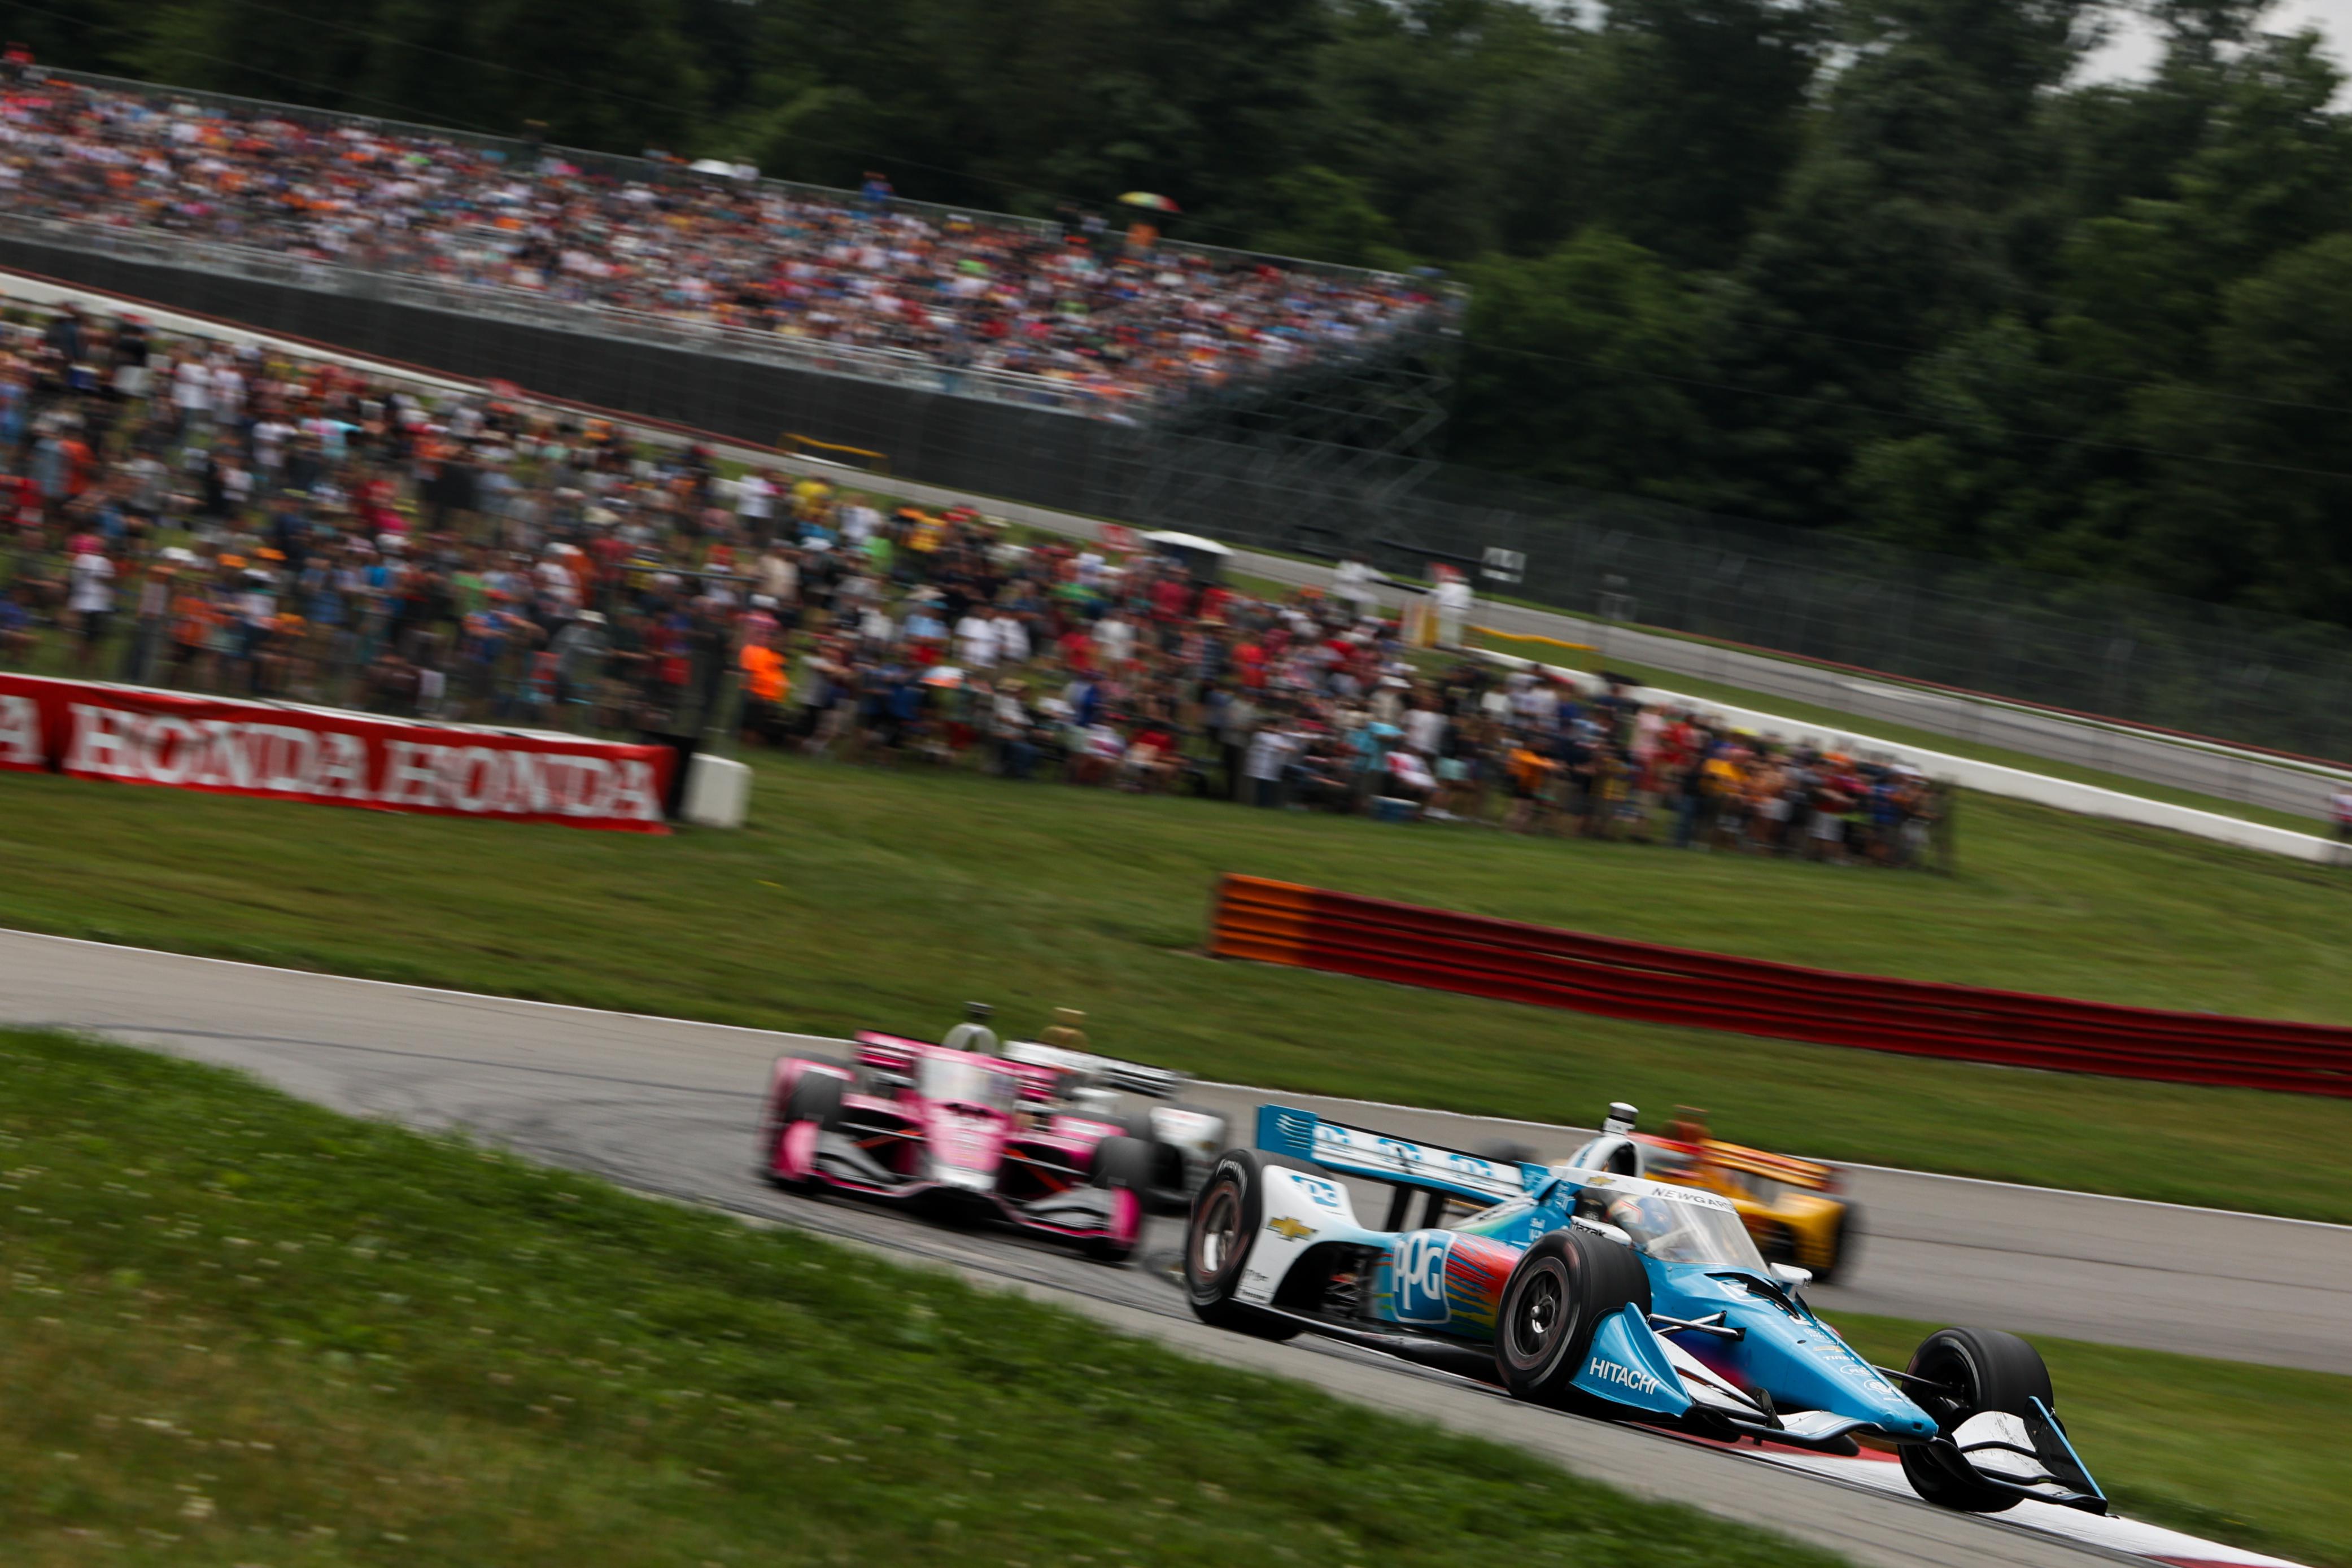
1030 1136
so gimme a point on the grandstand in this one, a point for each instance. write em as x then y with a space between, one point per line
981 305
1269 401
985 351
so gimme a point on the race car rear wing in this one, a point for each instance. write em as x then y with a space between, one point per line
1130 1077
1405 1166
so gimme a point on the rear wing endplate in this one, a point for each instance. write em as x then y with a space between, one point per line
1376 1156
1131 1077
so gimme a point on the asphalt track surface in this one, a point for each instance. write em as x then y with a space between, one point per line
668 1106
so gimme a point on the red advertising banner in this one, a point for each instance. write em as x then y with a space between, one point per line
24 741
330 757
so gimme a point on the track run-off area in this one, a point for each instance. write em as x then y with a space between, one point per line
668 1106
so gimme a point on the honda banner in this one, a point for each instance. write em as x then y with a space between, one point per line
329 757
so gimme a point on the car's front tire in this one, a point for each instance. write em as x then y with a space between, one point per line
1124 1167
1983 1369
814 1096
1555 1301
1226 1216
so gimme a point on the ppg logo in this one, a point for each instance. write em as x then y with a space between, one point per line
1623 1376
1420 1276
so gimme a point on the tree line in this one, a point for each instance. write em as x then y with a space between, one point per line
1888 266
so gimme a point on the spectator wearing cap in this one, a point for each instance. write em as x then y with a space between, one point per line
602 593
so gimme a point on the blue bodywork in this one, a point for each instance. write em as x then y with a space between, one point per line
1727 1348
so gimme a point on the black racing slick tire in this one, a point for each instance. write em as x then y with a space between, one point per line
1559 1293
1122 1162
815 1097
1166 1164
1227 1214
1973 1370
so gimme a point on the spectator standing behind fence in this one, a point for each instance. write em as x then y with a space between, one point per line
603 585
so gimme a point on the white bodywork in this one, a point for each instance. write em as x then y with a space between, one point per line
1297 1210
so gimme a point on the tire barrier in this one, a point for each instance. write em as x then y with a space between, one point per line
1314 928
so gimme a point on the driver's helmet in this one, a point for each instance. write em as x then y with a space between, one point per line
1641 1215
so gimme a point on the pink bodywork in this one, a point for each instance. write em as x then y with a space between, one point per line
1011 1158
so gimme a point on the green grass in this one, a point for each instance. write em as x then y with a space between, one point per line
866 898
237 1329
2258 1455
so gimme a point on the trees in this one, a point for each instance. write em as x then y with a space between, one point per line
1885 266
1698 115
1580 367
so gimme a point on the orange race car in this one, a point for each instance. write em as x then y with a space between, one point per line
1792 1206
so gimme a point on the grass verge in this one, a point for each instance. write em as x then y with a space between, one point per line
860 897
240 1329
2258 1455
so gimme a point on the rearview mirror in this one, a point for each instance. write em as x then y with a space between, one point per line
1791 1276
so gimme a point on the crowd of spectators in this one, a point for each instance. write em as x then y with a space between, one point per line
1110 315
229 519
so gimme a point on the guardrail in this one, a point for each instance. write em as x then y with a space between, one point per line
1315 928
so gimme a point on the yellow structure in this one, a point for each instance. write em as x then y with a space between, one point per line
1788 1205
803 445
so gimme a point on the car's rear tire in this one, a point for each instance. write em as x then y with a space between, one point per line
1226 1216
1171 1173
1559 1293
1985 1369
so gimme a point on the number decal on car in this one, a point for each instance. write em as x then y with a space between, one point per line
1317 1190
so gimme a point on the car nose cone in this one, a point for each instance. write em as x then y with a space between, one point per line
1907 1420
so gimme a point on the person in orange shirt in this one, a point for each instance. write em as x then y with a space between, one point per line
194 616
766 686
1528 769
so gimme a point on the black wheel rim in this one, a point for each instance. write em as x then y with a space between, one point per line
1543 1317
1217 1238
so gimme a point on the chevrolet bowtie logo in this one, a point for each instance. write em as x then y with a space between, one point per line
1290 1229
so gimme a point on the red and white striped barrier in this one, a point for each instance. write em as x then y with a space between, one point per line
1441 949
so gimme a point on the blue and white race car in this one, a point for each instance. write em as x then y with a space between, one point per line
1577 1286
